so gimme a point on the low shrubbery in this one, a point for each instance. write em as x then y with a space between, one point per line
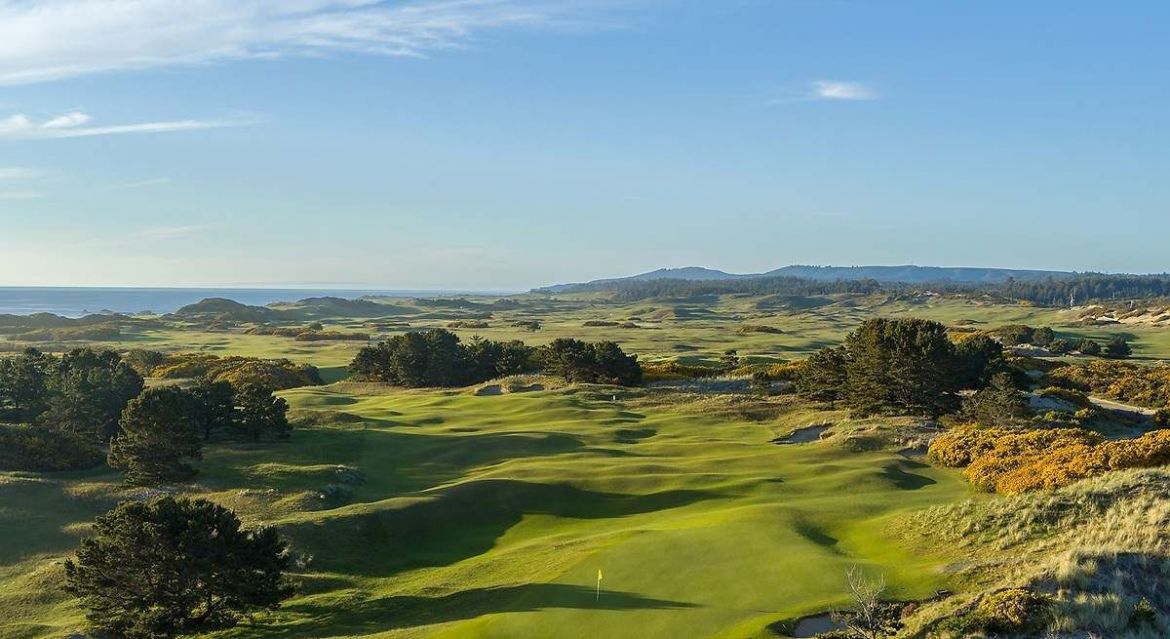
1123 381
41 449
1011 461
468 324
276 374
755 328
673 371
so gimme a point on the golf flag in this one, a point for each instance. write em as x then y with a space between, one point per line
599 584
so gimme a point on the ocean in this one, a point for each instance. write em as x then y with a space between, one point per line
75 302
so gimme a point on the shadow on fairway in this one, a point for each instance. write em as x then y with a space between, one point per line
406 611
898 474
460 522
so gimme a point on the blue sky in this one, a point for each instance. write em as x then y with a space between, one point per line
504 144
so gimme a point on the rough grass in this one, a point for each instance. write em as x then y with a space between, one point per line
466 516
1099 546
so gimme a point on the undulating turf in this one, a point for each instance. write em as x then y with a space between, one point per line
451 515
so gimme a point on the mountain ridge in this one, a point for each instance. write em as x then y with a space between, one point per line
906 274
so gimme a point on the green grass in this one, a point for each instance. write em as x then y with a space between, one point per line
490 516
687 330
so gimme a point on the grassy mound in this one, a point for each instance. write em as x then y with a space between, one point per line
448 514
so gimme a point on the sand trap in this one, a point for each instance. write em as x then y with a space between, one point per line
804 435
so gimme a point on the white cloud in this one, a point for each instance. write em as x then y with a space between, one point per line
72 125
67 121
829 90
832 90
21 195
140 184
170 232
44 40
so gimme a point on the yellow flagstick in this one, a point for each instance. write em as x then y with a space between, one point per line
598 584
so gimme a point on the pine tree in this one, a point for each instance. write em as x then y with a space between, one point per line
171 567
158 434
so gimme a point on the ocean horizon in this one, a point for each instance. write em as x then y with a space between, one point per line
80 301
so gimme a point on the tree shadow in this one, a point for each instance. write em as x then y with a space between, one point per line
389 613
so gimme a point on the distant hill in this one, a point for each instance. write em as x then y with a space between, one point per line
908 274
218 308
691 273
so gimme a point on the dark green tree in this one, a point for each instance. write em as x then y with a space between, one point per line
1060 346
1118 348
730 360
901 366
611 365
158 435
259 413
24 390
88 391
214 406
978 358
824 376
568 358
1088 347
174 567
1043 336
999 404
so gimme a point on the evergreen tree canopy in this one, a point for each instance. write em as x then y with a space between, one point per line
175 566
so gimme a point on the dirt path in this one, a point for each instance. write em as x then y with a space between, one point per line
1108 404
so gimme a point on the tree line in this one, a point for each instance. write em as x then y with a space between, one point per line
62 412
902 366
438 358
1054 291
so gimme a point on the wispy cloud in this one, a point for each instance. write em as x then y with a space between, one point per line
832 90
170 232
19 173
829 90
21 195
139 184
73 125
45 40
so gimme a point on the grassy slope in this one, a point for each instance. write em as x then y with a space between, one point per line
490 516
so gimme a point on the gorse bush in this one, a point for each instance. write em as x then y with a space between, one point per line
669 371
1013 610
275 374
1123 381
1014 461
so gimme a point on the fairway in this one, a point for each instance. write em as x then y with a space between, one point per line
452 515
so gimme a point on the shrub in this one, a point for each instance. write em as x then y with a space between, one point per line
1014 610
1011 461
1074 397
671 371
331 336
40 449
277 374
599 323
998 404
1123 381
468 324
754 328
